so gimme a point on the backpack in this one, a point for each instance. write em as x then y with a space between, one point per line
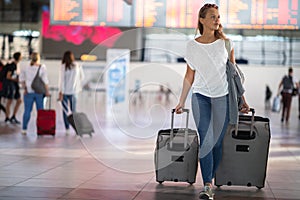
3 73
2 76
287 83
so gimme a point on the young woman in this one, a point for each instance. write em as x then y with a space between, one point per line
70 83
206 59
26 77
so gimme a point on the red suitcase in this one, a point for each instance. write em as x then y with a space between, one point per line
46 121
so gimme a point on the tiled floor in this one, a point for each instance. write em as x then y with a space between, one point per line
117 162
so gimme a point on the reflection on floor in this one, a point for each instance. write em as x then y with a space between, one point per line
117 162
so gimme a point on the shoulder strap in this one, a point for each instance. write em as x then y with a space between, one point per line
228 47
38 71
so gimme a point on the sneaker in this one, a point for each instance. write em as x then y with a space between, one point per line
207 193
13 120
7 120
23 132
67 131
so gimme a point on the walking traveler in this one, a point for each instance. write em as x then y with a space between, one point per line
206 58
12 89
70 84
27 75
286 87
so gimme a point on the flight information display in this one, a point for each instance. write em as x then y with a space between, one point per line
235 14
260 14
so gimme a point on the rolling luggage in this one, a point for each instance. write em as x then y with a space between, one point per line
46 121
245 153
176 153
276 104
81 124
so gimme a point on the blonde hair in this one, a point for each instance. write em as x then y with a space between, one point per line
35 58
202 14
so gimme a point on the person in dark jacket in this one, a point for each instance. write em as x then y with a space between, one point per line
286 86
1 86
12 88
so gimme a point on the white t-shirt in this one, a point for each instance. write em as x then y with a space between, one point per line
209 63
28 73
71 79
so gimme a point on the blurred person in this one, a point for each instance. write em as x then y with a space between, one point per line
268 97
70 84
299 99
286 86
161 91
26 77
206 59
1 86
12 89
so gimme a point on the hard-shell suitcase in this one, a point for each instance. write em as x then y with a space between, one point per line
245 153
276 104
81 124
176 154
46 121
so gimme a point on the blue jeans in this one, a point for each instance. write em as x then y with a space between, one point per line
68 100
29 99
211 116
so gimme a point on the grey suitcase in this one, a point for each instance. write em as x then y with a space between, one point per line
245 153
81 124
276 104
176 153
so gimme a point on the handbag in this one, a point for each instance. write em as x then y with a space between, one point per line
294 92
38 84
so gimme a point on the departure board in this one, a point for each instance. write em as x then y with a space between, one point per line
235 14
260 14
91 12
166 13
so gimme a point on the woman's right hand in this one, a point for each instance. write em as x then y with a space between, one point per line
178 108
60 96
47 94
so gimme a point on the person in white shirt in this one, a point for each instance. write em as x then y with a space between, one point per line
26 77
70 84
206 59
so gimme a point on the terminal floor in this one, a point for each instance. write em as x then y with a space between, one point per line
117 162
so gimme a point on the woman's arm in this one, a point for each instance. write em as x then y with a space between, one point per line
232 58
61 82
187 84
45 79
245 107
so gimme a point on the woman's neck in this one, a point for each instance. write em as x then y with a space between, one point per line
209 36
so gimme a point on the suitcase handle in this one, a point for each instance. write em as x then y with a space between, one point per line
186 128
48 97
252 110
